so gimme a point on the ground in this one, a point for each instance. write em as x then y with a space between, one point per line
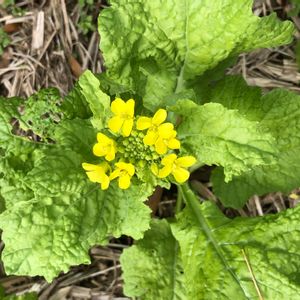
50 43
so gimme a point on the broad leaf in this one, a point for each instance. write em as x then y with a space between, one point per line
217 135
156 48
152 267
98 101
77 135
41 112
242 258
66 216
8 111
279 113
52 212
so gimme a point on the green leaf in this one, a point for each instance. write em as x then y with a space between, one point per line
217 135
156 48
52 211
8 110
277 112
75 104
17 155
77 135
98 101
41 112
224 258
66 216
152 267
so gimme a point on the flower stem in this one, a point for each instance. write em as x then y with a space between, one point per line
178 206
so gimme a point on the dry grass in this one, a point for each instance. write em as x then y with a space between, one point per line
48 49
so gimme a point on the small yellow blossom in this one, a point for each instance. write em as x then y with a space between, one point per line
154 126
124 171
105 147
97 173
176 166
167 139
123 116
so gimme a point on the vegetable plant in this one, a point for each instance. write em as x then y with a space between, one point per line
84 165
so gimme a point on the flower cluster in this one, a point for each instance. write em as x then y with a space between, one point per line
131 144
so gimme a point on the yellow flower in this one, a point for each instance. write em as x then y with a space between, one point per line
105 147
97 173
124 171
123 116
175 166
166 139
154 126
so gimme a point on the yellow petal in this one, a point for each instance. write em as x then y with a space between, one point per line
103 139
150 138
99 150
105 166
130 169
127 127
129 107
165 171
143 123
121 165
160 146
118 106
124 182
105 182
96 175
169 160
114 174
110 155
88 167
115 124
174 144
181 175
166 130
186 161
159 117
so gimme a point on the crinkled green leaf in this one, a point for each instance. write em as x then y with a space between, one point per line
75 105
156 47
66 216
16 154
279 113
53 213
217 135
98 101
41 112
215 251
152 267
77 135
8 111
110 86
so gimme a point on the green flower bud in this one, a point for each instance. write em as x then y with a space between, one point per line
125 142
141 163
121 149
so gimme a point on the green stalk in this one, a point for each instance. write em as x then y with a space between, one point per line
178 206
193 203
